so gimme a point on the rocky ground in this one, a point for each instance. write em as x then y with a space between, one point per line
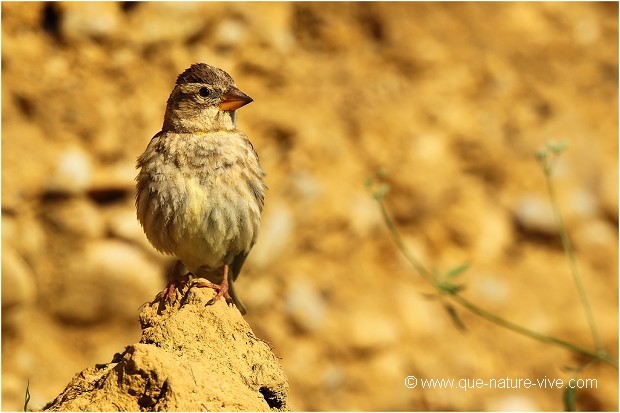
449 101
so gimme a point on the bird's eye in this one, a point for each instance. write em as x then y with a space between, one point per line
204 92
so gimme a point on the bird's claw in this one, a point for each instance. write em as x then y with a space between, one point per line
168 294
222 291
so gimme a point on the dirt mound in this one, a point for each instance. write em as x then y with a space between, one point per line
191 357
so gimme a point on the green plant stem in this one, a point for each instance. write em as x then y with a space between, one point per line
599 354
27 396
571 258
401 245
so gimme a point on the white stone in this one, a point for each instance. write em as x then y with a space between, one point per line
534 213
110 280
276 232
73 172
305 305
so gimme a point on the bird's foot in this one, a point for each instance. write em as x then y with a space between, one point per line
222 290
168 294
175 282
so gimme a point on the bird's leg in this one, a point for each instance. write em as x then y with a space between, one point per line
173 283
221 288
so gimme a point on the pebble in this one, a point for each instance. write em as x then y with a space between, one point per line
124 224
417 315
598 239
270 22
25 235
230 33
110 280
76 216
365 215
305 305
117 176
580 204
277 229
306 185
493 234
491 288
73 172
27 168
512 404
18 286
389 365
534 214
333 377
150 22
85 19
587 31
370 330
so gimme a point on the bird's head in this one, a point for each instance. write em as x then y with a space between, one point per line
204 99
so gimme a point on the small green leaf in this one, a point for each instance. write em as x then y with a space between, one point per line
27 397
569 399
450 288
382 173
454 316
381 191
558 147
456 271
541 154
368 183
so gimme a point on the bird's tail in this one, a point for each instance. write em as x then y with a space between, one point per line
235 297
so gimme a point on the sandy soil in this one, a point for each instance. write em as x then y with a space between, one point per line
450 101
191 357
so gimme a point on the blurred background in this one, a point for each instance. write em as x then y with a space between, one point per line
450 101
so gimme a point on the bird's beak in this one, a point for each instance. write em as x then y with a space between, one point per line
233 99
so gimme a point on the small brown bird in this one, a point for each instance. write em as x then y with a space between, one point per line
200 189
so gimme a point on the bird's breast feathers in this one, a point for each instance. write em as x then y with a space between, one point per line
207 206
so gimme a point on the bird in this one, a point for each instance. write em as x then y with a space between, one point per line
200 188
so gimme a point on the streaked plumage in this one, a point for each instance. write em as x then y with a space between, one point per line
200 189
